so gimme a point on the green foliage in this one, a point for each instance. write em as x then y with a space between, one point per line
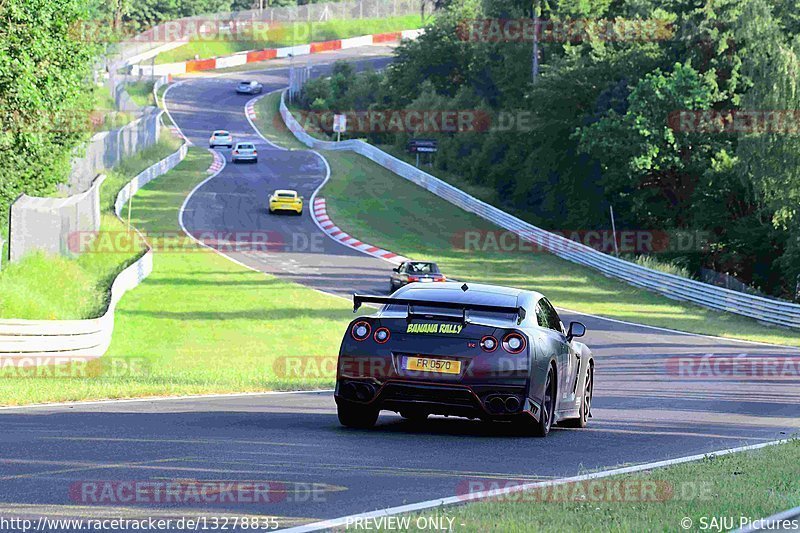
646 162
601 123
45 91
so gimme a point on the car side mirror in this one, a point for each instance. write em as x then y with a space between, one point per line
576 329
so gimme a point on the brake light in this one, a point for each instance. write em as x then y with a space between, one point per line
413 278
360 330
255 153
382 335
439 278
514 343
236 152
489 343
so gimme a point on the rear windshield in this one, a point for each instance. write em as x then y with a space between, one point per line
285 195
221 133
245 146
423 268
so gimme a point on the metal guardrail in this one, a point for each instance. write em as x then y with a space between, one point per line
34 340
763 309
785 521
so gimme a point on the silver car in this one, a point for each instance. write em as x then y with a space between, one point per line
220 138
249 87
244 152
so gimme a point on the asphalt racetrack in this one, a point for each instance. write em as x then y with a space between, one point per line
294 443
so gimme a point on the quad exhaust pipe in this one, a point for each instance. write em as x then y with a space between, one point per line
363 392
503 404
512 404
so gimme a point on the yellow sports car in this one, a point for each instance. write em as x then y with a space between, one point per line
285 200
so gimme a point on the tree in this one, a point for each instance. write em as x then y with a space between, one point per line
650 167
45 90
770 158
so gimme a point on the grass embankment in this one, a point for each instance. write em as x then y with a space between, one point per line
385 210
141 92
201 323
29 288
753 484
288 35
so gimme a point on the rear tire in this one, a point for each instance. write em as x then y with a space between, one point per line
586 404
356 416
547 414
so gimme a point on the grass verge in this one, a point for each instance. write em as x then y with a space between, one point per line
753 484
81 290
201 323
141 92
383 209
290 35
105 108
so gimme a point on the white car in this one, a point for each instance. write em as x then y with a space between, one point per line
220 138
244 152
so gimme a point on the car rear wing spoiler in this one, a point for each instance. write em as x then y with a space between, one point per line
359 299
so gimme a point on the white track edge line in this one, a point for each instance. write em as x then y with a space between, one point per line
455 500
157 399
166 110
252 102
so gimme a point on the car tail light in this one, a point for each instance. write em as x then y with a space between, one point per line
489 343
236 152
413 278
514 343
360 330
439 278
382 335
255 153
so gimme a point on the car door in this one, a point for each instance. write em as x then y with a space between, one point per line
397 276
572 360
561 347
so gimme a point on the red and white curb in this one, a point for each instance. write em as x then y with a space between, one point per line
320 214
217 164
250 109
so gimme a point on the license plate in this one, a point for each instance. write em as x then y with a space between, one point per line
426 364
426 280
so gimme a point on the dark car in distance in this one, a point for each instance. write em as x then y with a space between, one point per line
412 272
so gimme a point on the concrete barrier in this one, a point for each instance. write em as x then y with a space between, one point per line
46 224
49 342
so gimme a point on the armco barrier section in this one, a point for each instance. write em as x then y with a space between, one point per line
45 224
50 342
255 56
764 309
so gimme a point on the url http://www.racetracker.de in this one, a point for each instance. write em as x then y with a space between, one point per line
196 523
